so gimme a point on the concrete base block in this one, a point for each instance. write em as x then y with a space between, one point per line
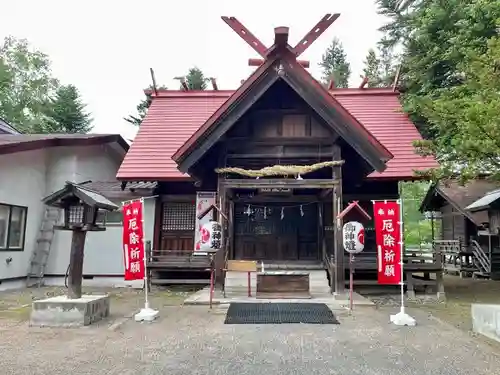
63 312
486 320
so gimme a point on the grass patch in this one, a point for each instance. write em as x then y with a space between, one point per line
460 294
21 313
173 295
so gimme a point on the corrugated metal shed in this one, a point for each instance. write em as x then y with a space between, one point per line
485 201
174 116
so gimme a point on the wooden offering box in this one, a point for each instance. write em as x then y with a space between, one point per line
283 284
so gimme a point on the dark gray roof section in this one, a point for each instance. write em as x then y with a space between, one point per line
10 143
6 128
459 196
113 189
87 196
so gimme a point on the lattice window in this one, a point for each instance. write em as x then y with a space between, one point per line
179 216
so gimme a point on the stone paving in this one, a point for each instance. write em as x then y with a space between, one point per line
194 340
202 297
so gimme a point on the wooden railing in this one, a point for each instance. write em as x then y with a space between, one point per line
177 259
448 246
481 259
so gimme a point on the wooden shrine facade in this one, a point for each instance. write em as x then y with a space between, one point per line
280 118
287 219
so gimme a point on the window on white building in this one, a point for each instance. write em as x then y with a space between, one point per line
12 227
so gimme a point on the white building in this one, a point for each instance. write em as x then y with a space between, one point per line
34 166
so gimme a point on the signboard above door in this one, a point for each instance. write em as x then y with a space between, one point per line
275 191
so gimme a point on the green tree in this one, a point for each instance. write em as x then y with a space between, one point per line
387 64
400 14
380 68
142 107
26 83
335 66
466 119
196 80
372 69
438 39
65 113
417 229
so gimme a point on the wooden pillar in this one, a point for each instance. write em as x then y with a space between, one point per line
220 258
433 221
147 254
230 229
76 264
440 285
156 245
410 285
221 254
337 225
321 227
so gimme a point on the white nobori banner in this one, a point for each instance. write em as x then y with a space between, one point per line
204 199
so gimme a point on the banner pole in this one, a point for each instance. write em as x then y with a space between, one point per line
146 300
351 281
402 318
147 313
401 257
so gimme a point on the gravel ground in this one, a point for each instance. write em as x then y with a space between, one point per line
456 309
194 340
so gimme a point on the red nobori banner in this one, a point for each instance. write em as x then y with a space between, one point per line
133 240
388 238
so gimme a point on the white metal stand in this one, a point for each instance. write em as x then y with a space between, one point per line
146 314
402 318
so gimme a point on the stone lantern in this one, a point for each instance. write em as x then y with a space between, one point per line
81 207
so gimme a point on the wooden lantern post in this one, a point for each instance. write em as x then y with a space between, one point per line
81 207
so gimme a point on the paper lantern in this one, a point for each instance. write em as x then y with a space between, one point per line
353 234
210 237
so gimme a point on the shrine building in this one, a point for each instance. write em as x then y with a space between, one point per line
281 156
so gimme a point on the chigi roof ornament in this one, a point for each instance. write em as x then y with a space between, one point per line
281 70
280 40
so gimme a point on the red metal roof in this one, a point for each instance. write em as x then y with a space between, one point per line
174 116
380 111
171 119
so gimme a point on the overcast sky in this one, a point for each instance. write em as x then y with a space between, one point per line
106 47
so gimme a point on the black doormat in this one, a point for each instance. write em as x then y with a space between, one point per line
279 313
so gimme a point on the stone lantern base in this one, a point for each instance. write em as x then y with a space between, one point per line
61 311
